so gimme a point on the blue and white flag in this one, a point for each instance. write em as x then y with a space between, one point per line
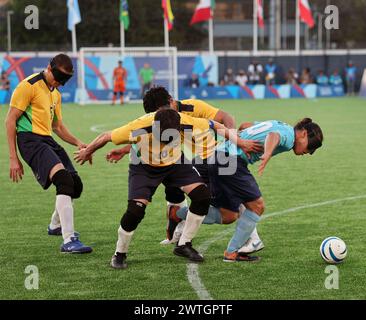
73 14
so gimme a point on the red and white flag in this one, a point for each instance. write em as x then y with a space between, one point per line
260 14
306 15
203 11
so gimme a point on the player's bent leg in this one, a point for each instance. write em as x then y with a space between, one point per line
64 183
200 202
78 186
54 228
244 228
228 216
134 214
254 244
175 201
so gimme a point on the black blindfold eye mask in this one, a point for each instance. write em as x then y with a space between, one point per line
58 75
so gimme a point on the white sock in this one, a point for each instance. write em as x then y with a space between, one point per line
183 204
191 227
55 220
124 239
254 236
66 214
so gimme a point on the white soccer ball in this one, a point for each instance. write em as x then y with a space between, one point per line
333 250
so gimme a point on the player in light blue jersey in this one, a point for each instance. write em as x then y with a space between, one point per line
237 186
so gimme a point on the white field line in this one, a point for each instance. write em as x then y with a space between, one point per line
99 128
192 268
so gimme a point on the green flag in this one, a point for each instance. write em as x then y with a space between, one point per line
123 17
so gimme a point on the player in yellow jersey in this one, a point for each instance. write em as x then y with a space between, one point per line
157 158
35 111
159 96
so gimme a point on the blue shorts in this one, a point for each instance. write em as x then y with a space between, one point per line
42 153
229 191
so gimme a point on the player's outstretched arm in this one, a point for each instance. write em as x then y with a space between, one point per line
272 141
63 132
245 125
85 154
231 134
116 155
226 119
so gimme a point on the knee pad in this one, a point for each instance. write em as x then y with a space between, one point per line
78 186
64 183
174 195
133 216
200 200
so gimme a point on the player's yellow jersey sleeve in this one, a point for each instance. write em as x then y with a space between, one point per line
201 109
197 125
58 113
22 96
130 132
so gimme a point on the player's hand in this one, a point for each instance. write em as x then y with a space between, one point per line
82 145
117 154
16 170
81 156
249 146
265 158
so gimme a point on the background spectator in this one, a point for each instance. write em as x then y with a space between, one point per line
229 77
350 73
194 81
270 70
335 79
306 77
322 79
241 79
292 77
255 71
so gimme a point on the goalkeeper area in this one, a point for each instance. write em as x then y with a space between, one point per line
307 199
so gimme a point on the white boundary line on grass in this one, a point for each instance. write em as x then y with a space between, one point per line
192 268
98 128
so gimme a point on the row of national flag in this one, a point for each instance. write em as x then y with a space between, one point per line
203 12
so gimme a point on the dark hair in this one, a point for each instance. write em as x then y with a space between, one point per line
168 119
63 61
315 134
156 98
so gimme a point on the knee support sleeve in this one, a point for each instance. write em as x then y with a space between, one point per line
78 186
200 200
133 216
64 183
174 195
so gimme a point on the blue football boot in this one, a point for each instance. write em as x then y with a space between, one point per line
75 246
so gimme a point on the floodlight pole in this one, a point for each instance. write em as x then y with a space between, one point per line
9 13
